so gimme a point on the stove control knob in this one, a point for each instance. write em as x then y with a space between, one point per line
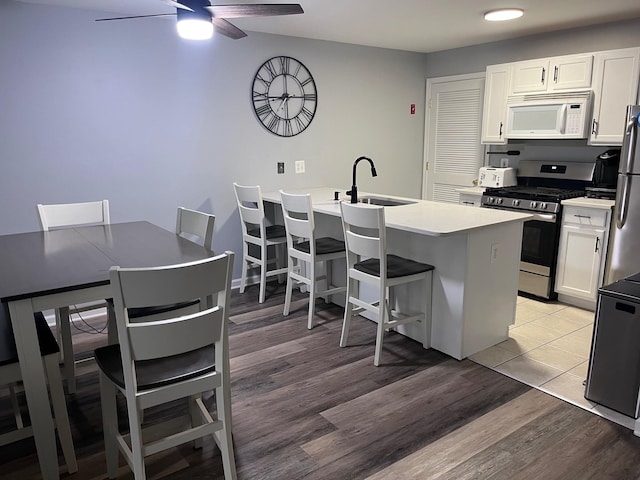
543 205
534 204
515 203
490 200
499 201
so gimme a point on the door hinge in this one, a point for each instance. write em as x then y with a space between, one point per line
427 167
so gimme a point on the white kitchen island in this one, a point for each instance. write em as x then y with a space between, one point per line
476 254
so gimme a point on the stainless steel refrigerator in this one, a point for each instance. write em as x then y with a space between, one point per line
623 256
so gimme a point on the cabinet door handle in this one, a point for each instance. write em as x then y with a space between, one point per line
597 244
555 74
468 203
594 127
543 72
500 134
582 216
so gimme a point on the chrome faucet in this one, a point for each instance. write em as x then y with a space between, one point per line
354 190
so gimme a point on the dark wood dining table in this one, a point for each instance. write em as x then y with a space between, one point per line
45 270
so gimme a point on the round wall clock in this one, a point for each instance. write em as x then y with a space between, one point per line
284 96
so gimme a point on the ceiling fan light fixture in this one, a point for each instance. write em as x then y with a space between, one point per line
195 29
503 14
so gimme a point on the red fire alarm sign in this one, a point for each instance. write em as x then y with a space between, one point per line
413 109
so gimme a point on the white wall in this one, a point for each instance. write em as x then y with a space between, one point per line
128 111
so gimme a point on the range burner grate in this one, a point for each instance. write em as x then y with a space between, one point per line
535 193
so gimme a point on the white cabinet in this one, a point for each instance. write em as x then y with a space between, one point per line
530 76
470 196
470 199
568 72
494 113
582 252
615 85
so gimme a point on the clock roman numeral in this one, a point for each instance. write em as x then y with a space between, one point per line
263 111
285 63
307 114
305 82
262 80
288 131
274 123
260 96
271 69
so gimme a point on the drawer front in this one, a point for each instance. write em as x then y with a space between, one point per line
593 217
470 199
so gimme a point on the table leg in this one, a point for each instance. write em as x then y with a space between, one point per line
35 386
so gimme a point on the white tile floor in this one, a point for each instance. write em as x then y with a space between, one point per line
548 348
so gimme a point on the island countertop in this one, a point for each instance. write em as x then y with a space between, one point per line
423 217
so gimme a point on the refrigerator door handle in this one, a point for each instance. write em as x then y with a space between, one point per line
623 188
629 131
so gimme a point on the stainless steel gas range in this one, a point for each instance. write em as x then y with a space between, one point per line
541 188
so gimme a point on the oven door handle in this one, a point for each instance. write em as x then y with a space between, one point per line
544 217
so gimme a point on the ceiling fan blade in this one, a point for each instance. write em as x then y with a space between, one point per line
227 29
136 16
173 3
253 10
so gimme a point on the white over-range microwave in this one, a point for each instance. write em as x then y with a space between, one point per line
549 115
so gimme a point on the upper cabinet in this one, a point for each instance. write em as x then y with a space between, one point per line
496 87
568 72
613 76
615 85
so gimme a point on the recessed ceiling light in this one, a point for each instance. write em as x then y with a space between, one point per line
503 14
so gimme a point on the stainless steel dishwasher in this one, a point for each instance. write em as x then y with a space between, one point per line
613 379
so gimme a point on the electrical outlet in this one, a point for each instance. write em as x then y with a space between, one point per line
494 252
299 166
280 167
504 162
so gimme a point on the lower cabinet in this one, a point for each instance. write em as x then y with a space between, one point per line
470 196
582 253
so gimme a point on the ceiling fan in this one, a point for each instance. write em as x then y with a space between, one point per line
198 18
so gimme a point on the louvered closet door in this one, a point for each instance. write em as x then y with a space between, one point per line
452 144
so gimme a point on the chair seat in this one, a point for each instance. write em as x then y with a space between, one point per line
8 352
272 231
396 267
156 373
324 246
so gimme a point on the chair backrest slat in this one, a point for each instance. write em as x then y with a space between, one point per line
70 214
364 231
250 207
298 216
149 287
192 223
161 338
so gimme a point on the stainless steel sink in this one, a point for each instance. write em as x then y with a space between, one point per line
384 201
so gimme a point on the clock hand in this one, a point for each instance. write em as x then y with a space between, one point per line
283 103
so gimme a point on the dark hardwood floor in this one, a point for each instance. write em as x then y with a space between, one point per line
305 408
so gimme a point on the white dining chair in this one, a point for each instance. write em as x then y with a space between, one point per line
160 361
10 373
66 215
306 253
368 262
196 226
256 234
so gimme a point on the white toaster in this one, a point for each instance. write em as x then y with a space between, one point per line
497 177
